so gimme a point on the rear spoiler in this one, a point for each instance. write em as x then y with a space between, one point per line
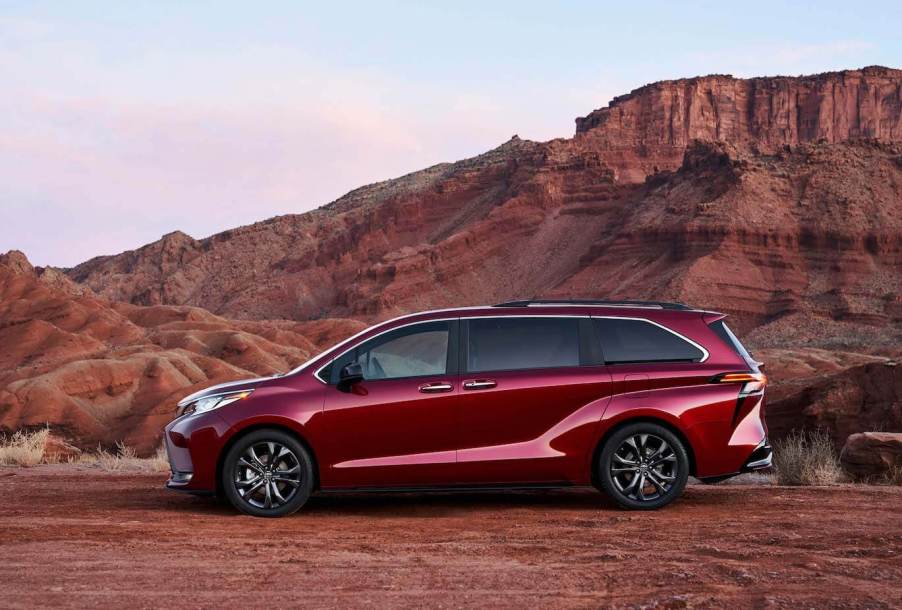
712 316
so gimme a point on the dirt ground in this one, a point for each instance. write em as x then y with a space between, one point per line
75 537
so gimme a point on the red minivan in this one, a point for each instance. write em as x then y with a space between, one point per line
632 397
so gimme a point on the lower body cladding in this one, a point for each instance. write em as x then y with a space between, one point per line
193 444
762 457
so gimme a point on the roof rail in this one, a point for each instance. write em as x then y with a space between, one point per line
651 304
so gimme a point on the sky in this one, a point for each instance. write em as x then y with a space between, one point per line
123 121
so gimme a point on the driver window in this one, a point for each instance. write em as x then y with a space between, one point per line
407 352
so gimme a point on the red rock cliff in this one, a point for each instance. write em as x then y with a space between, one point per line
648 129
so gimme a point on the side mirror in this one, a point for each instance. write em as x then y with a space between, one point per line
349 375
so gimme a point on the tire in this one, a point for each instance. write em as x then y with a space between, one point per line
267 473
664 466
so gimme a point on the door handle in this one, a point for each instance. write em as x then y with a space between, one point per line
436 386
479 384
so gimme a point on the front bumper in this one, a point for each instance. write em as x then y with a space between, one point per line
193 444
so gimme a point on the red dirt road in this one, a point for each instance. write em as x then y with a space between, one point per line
75 537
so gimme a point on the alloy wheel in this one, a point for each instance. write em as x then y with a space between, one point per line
267 475
644 467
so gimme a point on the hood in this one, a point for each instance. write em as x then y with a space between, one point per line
224 388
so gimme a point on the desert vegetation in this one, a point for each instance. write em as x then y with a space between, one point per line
23 448
123 459
29 448
806 458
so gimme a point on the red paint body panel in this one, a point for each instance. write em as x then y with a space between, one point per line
534 426
385 433
531 425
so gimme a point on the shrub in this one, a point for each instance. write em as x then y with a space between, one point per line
893 476
806 458
23 448
124 459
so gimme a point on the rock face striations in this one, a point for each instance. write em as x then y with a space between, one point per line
648 129
766 197
776 200
101 372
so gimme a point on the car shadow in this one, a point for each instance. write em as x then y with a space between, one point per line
425 504
413 504
404 504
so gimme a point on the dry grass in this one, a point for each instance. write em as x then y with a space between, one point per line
123 459
26 449
893 476
23 448
807 458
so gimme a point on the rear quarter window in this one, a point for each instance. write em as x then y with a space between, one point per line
726 335
631 341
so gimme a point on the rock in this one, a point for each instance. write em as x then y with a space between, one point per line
872 454
767 113
57 449
854 399
107 372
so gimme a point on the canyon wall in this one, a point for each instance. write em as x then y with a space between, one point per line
648 129
731 215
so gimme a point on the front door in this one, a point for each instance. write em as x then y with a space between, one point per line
397 427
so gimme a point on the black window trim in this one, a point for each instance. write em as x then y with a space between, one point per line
453 334
460 342
695 344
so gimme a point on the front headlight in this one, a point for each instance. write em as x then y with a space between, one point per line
208 403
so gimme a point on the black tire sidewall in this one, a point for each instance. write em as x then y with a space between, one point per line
258 436
603 466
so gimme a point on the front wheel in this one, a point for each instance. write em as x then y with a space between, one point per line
267 473
643 466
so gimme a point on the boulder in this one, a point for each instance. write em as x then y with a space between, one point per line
56 449
869 454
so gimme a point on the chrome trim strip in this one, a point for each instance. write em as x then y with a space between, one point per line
179 479
316 373
304 365
762 463
612 305
670 330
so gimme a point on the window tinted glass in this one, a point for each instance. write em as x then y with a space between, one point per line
504 344
326 373
637 341
407 352
723 331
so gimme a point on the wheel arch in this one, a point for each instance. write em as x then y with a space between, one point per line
612 429
265 425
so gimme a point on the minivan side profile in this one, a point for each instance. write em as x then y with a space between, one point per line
632 397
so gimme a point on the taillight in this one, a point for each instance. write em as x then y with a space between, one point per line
752 383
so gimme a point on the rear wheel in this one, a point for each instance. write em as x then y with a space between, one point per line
643 466
267 473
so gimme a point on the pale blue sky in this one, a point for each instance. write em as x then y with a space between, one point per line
121 121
